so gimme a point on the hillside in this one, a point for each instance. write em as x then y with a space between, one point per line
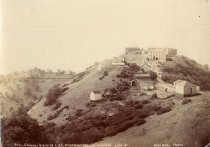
77 95
26 87
127 114
186 125
184 68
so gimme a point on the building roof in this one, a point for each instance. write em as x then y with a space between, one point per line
145 82
145 64
140 75
183 83
96 92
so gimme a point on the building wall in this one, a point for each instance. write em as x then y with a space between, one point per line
179 89
162 53
197 89
95 97
187 90
135 58
118 63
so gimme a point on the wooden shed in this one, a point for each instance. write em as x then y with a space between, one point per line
95 96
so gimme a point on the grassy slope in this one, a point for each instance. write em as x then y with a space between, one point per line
78 93
24 88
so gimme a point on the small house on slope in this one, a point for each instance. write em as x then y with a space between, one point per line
145 66
118 61
142 76
95 96
144 81
184 88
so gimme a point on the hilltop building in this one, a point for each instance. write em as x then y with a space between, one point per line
138 55
161 54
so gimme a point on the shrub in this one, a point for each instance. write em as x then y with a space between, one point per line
118 97
110 131
105 73
164 110
123 74
142 113
64 85
122 86
53 116
80 75
145 101
92 135
138 106
140 122
52 95
50 124
20 128
64 89
186 100
123 115
150 108
125 125
154 95
153 75
79 112
57 105
134 67
87 104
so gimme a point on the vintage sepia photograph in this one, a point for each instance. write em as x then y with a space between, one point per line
105 73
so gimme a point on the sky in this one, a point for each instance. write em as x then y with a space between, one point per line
74 34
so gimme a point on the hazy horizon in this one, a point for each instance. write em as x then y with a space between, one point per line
74 34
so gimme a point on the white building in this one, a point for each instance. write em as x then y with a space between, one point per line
95 96
161 54
184 88
118 61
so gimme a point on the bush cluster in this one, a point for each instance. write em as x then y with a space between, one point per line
56 114
21 128
186 101
118 92
164 110
53 94
89 129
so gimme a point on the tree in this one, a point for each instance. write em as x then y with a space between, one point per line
206 67
21 128
153 75
52 95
